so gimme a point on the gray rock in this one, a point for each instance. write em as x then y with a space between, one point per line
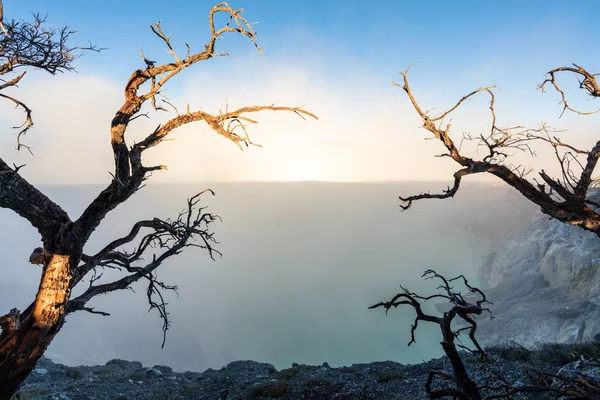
154 373
40 371
144 374
124 364
544 282
57 396
163 369
588 369
254 380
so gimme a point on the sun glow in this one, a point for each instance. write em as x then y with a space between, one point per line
303 170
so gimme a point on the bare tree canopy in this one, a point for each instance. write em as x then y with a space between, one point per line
564 197
25 336
461 308
463 311
32 44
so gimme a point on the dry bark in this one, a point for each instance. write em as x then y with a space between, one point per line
25 336
563 198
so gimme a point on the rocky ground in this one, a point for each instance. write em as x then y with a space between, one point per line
124 380
544 282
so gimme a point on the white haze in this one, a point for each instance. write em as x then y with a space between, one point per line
301 264
367 129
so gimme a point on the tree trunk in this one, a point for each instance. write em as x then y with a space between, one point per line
463 383
22 348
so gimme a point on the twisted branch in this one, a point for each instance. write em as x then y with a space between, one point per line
130 171
461 308
165 239
587 82
25 44
458 384
564 198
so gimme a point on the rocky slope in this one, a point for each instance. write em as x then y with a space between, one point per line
125 380
544 281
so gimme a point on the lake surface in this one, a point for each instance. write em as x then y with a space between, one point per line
301 263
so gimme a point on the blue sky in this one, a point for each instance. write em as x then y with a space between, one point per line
436 35
349 50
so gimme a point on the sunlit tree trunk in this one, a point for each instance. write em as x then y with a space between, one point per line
21 349
25 336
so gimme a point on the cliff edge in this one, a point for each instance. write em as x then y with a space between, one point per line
544 282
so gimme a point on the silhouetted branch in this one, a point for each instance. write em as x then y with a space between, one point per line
564 199
25 44
462 386
30 203
459 308
562 386
450 192
166 239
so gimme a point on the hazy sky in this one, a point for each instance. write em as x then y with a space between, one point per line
336 57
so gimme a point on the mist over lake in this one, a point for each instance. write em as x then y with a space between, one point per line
301 263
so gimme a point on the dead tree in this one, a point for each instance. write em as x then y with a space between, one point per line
564 198
464 388
462 311
26 335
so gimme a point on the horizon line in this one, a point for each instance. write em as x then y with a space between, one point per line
282 182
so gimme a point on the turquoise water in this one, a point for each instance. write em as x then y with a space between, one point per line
301 263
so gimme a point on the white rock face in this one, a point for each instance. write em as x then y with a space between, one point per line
544 281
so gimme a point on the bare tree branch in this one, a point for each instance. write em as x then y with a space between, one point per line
449 192
564 199
224 124
129 169
23 198
25 44
64 264
461 308
466 307
2 27
167 238
588 83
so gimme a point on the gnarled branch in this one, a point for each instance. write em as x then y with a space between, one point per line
129 169
32 44
459 307
191 228
564 199
587 82
466 307
23 198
